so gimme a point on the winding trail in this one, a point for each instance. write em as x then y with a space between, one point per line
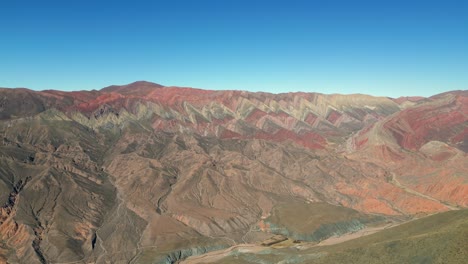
214 256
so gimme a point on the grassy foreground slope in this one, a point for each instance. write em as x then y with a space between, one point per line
316 221
440 238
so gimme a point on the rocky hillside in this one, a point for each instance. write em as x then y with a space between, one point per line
144 173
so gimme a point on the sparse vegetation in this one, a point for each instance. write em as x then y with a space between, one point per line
316 221
435 239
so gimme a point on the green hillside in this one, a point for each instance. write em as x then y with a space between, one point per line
440 238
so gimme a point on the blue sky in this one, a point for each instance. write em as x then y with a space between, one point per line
388 48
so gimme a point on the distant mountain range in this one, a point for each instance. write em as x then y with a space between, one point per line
144 173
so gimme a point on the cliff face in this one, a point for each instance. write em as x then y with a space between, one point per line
130 172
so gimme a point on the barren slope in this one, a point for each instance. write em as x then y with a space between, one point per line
144 173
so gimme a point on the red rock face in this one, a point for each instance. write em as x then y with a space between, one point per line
12 233
333 116
445 119
424 146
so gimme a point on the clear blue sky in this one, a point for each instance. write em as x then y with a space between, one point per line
389 48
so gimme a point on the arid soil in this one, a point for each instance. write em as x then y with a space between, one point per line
144 173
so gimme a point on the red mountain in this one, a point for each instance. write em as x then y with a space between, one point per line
145 173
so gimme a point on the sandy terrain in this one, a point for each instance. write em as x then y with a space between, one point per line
214 256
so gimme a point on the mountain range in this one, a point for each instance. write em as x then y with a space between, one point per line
145 173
